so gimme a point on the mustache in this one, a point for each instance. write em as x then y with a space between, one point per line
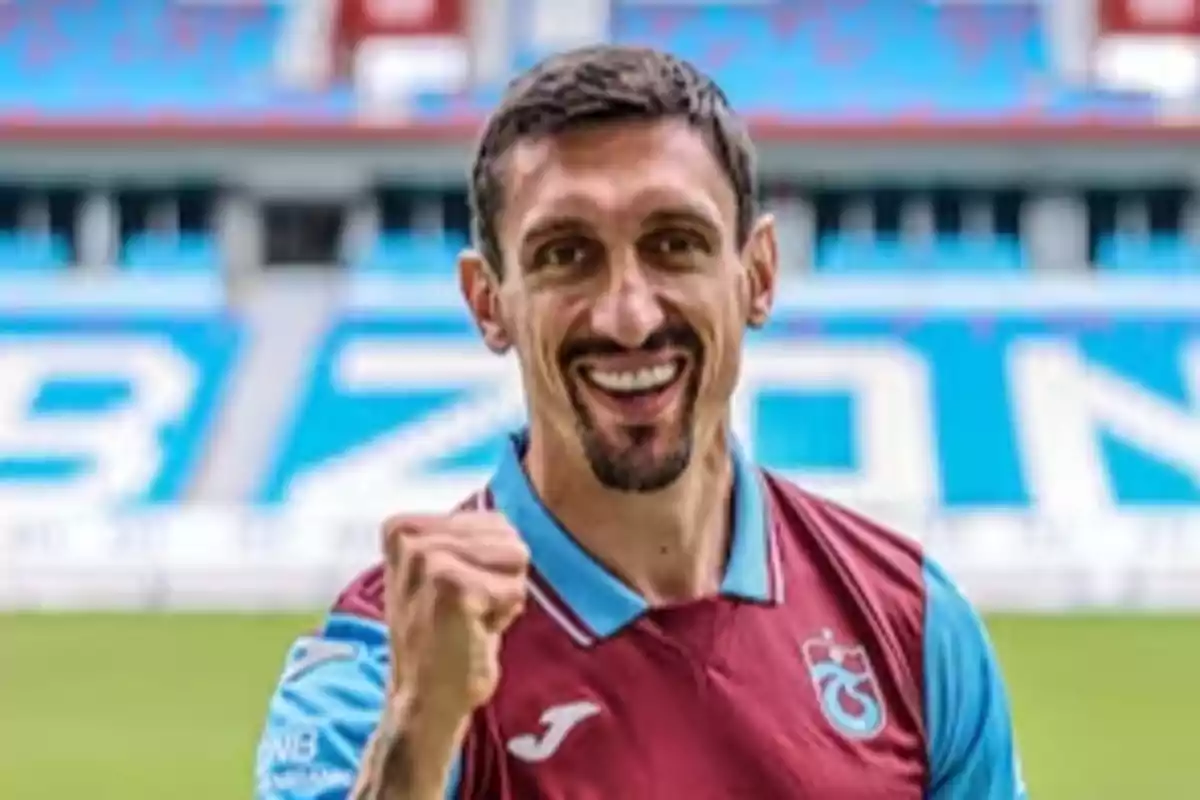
679 336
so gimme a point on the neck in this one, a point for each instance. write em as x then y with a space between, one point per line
670 546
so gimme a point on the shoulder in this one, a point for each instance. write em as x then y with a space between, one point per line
825 517
861 563
865 549
327 701
363 596
958 650
971 741
880 558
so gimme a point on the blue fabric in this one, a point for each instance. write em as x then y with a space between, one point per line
324 710
972 751
596 596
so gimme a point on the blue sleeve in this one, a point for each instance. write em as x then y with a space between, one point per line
972 748
324 710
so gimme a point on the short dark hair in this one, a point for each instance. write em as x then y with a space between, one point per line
606 83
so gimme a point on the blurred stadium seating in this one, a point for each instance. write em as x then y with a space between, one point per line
237 282
168 59
230 337
93 70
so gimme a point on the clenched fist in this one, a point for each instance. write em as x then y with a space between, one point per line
454 583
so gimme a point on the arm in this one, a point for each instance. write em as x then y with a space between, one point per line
329 704
408 758
972 752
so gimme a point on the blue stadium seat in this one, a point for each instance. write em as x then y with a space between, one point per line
962 255
1153 255
171 253
32 253
976 255
408 254
856 254
93 57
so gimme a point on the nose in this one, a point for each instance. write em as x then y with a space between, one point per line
628 311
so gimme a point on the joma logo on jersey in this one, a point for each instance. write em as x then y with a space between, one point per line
847 689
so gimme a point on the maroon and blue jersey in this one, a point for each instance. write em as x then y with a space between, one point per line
836 662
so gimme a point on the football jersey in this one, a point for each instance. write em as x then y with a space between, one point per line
837 661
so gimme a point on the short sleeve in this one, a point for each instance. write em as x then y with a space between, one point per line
326 706
972 748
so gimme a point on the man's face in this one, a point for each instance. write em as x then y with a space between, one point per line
624 292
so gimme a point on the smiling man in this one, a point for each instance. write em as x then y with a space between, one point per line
632 608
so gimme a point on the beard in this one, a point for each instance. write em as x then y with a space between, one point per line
639 458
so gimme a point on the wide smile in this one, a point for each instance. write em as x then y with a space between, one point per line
637 393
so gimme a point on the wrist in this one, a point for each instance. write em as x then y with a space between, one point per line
430 704
434 732
430 718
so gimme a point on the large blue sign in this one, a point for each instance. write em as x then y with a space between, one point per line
104 409
1054 411
1042 410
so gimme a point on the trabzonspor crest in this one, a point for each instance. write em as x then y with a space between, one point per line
847 688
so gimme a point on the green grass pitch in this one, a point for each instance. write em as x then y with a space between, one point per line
145 706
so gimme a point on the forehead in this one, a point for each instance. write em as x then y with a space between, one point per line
614 171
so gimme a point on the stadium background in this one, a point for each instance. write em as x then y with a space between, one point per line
228 344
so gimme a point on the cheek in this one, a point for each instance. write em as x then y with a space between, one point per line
727 362
539 347
722 345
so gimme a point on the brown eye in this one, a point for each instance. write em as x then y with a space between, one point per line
562 255
675 244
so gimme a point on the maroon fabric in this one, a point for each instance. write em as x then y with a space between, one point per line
716 699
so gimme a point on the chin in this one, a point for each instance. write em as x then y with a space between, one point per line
637 459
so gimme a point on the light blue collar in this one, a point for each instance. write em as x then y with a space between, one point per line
593 594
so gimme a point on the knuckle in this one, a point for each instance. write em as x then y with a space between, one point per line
507 591
437 564
441 570
516 555
415 559
396 524
387 539
416 547
392 532
515 602
521 551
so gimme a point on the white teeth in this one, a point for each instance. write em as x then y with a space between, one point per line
636 380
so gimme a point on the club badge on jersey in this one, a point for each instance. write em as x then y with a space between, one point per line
847 688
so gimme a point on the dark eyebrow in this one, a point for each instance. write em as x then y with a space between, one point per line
687 214
555 225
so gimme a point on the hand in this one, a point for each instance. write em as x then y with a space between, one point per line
453 585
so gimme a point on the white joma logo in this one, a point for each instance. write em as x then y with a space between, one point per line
311 653
558 722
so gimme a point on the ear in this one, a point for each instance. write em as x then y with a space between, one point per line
480 288
762 268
